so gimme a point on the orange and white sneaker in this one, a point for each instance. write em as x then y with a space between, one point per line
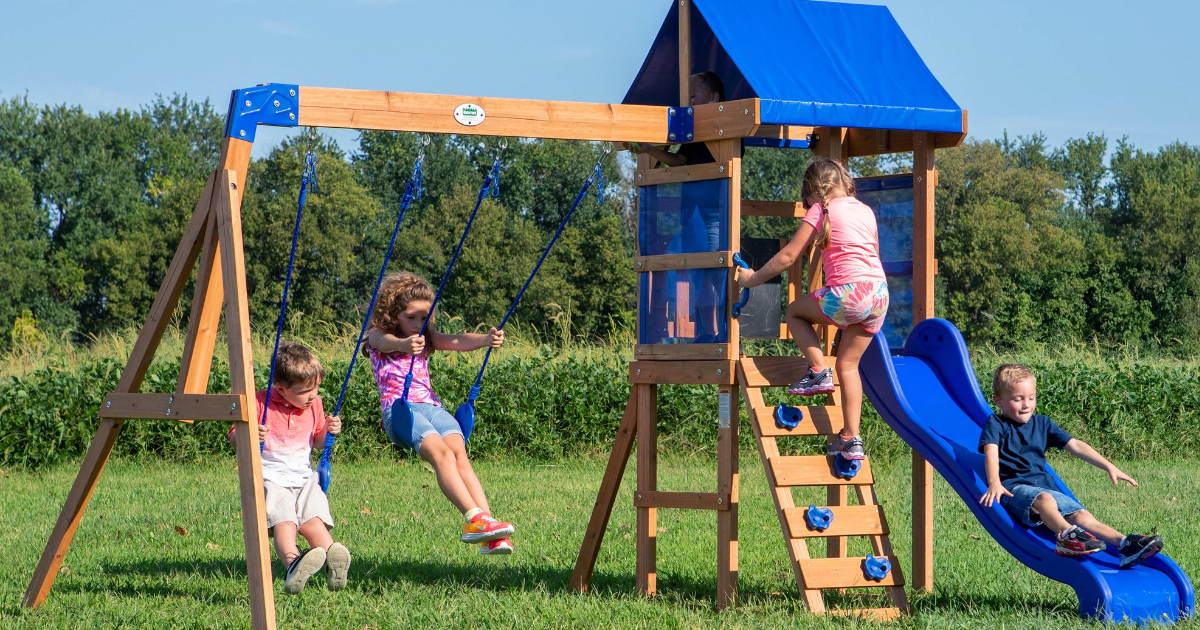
501 547
483 528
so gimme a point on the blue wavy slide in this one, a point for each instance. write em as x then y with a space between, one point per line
929 396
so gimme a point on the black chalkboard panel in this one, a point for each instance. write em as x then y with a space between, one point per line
762 315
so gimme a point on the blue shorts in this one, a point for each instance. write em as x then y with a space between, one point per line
426 420
1020 505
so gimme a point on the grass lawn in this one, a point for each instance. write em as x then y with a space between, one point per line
160 547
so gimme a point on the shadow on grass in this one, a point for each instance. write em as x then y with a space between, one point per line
949 600
164 578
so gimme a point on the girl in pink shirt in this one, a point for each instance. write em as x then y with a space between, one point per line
404 302
854 298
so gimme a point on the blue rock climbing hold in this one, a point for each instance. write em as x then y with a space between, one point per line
817 518
846 468
788 417
876 568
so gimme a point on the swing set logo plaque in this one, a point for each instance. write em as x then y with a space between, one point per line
469 114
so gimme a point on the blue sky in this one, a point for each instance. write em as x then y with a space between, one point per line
1061 67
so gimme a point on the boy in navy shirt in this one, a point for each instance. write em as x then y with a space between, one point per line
1014 445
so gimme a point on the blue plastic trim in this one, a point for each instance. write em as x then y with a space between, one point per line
737 308
776 143
818 518
275 104
788 417
876 568
680 124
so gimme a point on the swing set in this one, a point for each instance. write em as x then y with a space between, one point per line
838 105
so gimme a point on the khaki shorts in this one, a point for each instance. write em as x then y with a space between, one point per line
296 505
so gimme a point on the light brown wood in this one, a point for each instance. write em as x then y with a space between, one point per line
681 500
593 537
922 523
848 520
676 262
816 470
647 481
781 496
434 113
682 372
207 304
732 150
784 132
682 351
816 421
228 202
678 174
844 573
924 267
882 546
727 485
227 407
864 142
785 209
776 371
725 121
685 52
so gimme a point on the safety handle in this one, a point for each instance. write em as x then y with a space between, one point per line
737 308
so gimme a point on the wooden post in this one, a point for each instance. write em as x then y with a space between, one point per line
607 495
685 53
924 268
647 479
727 484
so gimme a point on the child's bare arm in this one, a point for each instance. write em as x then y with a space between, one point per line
1084 451
658 153
991 464
387 343
784 259
468 341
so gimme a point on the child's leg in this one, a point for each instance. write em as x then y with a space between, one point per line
855 341
316 533
1084 519
285 542
1047 509
466 472
801 314
445 465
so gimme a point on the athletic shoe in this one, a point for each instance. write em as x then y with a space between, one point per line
1077 541
813 383
484 528
302 568
337 564
848 448
501 547
1137 548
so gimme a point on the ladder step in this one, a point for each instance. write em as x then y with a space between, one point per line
874 614
848 520
845 573
777 371
815 470
816 421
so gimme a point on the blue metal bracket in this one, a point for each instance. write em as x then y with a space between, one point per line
680 124
818 519
846 468
776 143
276 104
876 568
788 417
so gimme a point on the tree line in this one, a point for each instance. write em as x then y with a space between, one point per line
1074 243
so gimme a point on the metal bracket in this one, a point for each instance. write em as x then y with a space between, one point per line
680 124
777 143
275 104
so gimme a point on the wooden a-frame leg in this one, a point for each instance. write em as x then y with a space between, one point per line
241 381
131 379
605 498
727 484
205 318
647 479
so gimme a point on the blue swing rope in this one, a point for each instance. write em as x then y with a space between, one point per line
597 175
412 192
310 175
491 184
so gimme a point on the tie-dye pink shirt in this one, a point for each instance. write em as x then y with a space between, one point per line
390 371
853 251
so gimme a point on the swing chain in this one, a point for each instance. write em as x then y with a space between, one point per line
418 178
598 173
310 170
493 179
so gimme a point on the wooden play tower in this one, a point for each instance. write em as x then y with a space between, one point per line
674 347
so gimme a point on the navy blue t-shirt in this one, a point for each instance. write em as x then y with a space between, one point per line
1023 448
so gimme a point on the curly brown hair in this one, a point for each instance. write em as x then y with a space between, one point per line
396 292
821 178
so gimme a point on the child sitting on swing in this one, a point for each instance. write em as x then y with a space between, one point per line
432 432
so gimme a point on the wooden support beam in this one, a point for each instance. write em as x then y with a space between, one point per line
589 550
224 407
882 546
647 481
683 351
727 485
816 421
207 303
924 268
845 573
726 121
848 520
784 132
816 470
434 113
682 372
785 209
677 174
685 52
677 262
776 371
681 500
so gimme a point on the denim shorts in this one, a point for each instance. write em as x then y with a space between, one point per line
1020 504
426 420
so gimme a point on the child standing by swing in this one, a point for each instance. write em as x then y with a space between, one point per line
403 305
855 296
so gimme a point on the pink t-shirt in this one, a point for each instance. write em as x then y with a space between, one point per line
287 449
390 371
853 251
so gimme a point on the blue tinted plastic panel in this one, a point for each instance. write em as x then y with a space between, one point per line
898 322
683 306
685 218
276 104
775 143
892 200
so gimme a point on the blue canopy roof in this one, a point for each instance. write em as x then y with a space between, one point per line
810 63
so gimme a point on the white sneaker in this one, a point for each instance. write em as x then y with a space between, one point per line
337 564
302 568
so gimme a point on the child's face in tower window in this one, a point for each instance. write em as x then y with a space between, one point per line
1020 401
700 93
413 316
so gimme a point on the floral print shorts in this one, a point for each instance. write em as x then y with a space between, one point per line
864 303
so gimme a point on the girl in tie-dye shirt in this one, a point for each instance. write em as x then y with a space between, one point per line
423 424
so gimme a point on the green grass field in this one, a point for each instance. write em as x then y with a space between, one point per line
130 567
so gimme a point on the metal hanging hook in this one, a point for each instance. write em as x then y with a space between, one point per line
503 143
